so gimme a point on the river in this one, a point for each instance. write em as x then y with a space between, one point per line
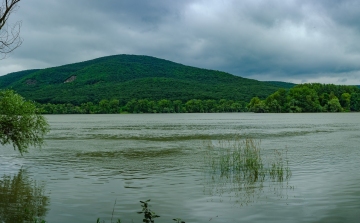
101 166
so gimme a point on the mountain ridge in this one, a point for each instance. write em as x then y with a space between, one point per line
127 77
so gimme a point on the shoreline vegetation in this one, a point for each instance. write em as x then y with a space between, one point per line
309 98
300 98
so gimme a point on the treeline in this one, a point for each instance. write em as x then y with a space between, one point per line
309 98
300 98
114 106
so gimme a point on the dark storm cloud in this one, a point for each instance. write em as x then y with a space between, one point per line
298 41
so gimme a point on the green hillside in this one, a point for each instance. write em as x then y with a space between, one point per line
7 80
127 77
280 84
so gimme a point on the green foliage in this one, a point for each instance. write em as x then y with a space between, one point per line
20 122
145 106
334 105
345 101
13 77
178 220
281 84
355 102
309 98
127 77
256 105
275 102
99 221
304 98
149 215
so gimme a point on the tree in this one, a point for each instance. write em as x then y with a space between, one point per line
256 105
305 98
9 36
355 102
20 122
276 101
143 105
177 106
114 105
165 106
193 106
345 101
104 106
334 105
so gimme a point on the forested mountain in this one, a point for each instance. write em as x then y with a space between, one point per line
9 79
127 77
285 85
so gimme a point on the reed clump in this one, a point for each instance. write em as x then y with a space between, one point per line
236 158
243 158
279 167
240 167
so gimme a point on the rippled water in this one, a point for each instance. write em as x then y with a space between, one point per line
91 161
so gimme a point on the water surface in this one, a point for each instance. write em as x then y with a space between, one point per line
90 162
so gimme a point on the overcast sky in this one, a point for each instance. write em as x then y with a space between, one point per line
293 40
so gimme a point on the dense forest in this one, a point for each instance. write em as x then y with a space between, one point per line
309 98
300 98
146 106
128 77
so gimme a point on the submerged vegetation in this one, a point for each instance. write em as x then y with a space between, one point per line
239 169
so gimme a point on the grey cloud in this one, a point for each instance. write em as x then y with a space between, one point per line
268 40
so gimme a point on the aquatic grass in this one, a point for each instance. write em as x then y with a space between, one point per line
278 171
243 158
238 167
236 158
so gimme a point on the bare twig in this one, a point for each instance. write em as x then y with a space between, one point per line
9 36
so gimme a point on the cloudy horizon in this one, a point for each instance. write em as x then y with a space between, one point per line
297 41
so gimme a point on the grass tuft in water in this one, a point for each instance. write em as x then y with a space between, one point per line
279 168
238 167
240 158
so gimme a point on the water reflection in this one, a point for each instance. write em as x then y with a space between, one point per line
239 171
21 199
